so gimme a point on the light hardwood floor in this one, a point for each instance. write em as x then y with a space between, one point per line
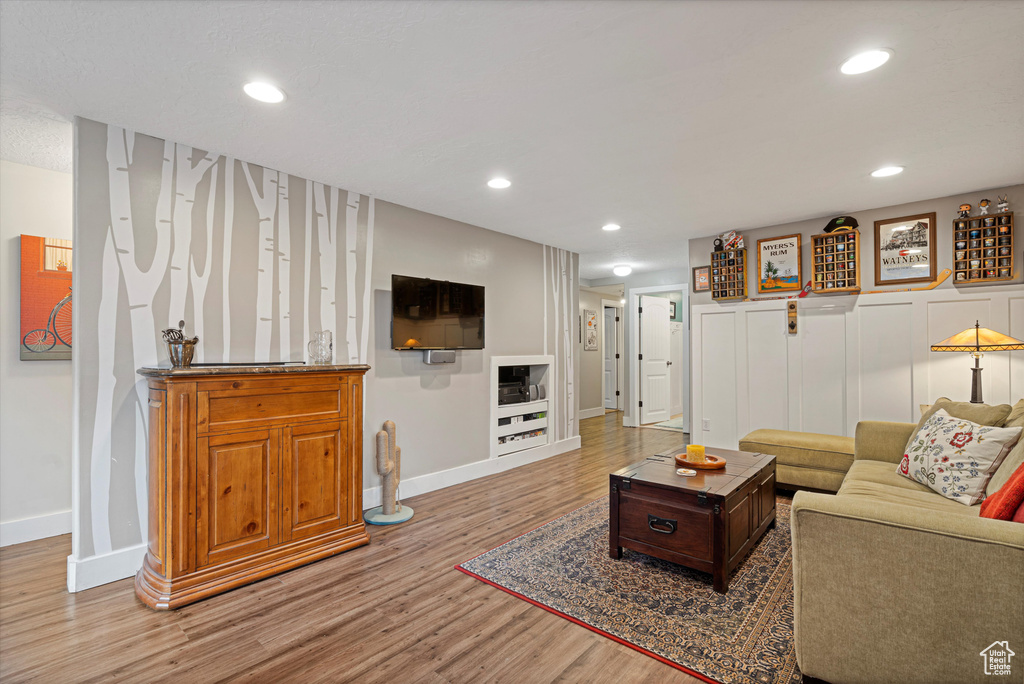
394 611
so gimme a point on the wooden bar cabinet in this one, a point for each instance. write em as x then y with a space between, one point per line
253 470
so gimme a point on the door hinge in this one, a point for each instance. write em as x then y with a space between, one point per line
616 356
616 319
640 310
616 392
640 357
641 404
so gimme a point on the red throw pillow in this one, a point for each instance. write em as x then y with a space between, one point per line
1004 503
1019 515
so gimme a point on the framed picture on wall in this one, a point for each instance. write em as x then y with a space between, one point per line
590 336
701 278
778 264
45 333
905 250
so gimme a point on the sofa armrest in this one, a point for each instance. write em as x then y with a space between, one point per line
889 592
878 440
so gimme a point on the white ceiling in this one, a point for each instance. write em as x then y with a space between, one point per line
674 119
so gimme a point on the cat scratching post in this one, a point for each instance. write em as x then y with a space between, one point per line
389 467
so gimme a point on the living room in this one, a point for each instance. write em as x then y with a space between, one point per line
630 136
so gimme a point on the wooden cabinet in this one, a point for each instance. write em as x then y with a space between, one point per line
251 472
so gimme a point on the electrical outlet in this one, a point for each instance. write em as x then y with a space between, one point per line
706 424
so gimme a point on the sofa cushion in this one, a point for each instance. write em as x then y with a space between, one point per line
1015 458
802 449
982 414
873 492
882 472
957 457
1004 503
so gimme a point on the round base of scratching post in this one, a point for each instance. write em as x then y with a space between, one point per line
375 516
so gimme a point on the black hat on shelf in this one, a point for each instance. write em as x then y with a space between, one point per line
841 223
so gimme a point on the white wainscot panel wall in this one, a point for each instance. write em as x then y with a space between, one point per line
853 358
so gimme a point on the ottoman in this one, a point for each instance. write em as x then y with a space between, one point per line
804 460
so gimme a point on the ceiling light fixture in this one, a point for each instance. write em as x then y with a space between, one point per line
610 226
887 171
499 183
264 92
622 270
866 61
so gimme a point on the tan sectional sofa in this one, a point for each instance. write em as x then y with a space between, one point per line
895 583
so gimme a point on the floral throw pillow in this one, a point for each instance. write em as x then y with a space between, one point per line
956 457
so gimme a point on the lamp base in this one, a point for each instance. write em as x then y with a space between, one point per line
976 386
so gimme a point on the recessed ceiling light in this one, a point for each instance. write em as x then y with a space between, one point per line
887 171
499 183
264 92
622 270
610 226
865 61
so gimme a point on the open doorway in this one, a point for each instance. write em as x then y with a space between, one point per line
602 357
660 369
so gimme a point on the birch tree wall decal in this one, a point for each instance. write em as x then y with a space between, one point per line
189 170
140 286
99 471
307 295
199 281
229 220
284 247
351 220
552 270
364 342
326 207
266 206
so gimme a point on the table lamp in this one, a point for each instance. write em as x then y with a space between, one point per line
977 340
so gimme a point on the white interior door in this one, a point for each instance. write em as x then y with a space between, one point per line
678 367
655 360
611 377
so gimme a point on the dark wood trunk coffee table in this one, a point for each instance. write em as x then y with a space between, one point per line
708 522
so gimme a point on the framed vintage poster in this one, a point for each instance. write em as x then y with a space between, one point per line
45 332
778 264
590 336
905 250
701 278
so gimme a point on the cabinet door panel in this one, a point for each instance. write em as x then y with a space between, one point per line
314 473
237 498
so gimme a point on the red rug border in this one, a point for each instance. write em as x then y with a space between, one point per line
640 649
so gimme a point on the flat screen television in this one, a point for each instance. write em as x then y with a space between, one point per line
436 314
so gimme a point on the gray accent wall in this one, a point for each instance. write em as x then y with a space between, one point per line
254 260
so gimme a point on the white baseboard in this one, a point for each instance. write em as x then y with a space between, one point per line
471 471
30 529
92 571
591 413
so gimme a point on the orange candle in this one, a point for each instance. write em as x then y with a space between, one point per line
695 453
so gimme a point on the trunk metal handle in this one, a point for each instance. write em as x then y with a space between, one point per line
656 524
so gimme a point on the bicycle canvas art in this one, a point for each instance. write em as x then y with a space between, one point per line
45 332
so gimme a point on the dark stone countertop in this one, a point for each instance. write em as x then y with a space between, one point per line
245 369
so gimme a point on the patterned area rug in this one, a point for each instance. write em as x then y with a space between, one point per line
658 608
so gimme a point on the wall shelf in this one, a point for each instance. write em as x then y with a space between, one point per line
531 427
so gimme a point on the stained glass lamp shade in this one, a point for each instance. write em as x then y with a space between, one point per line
976 341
